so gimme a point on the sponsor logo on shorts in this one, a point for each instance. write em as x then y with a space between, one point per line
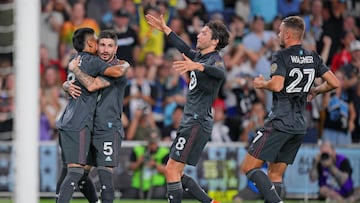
108 158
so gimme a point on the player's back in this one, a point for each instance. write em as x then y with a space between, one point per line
79 112
299 67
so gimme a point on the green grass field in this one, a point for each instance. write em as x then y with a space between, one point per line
80 200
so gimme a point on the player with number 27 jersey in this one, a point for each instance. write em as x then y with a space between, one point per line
299 67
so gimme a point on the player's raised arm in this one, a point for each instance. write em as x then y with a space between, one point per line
160 24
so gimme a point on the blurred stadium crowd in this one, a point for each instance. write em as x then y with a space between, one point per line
155 93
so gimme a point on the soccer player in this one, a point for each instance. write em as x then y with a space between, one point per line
207 73
76 123
293 71
108 130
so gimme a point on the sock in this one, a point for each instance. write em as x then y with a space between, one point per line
87 187
60 180
175 191
107 185
278 187
68 186
194 189
264 185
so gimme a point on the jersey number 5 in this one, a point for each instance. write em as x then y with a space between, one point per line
295 86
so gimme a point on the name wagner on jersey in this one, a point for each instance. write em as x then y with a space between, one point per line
302 59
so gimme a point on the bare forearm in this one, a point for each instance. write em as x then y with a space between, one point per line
339 176
84 79
66 86
323 88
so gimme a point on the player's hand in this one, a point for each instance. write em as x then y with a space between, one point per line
74 63
124 63
186 65
312 94
74 90
258 81
156 23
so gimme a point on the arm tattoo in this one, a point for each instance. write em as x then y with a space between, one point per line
84 79
101 82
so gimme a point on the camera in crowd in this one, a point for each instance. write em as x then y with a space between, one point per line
325 156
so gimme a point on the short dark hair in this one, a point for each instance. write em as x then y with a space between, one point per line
220 32
80 36
108 34
296 23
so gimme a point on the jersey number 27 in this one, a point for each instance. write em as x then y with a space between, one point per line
297 84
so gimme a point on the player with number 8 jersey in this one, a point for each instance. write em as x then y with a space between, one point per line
206 70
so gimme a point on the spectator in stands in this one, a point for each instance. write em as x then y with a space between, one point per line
139 92
177 25
7 106
50 25
337 125
148 163
168 133
332 25
52 102
255 120
314 22
141 124
351 86
151 40
108 17
237 30
352 69
77 20
47 61
263 43
333 172
220 132
128 44
343 56
288 7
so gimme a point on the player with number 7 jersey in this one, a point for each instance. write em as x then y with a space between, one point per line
299 67
293 72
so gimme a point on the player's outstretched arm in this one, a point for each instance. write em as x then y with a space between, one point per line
158 23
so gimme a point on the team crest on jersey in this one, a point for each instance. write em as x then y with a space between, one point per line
273 67
219 64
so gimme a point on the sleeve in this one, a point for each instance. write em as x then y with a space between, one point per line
321 66
181 45
217 70
345 166
278 66
165 159
99 66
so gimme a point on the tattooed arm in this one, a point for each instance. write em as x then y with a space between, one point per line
90 83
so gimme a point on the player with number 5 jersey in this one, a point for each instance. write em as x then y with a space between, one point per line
293 72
